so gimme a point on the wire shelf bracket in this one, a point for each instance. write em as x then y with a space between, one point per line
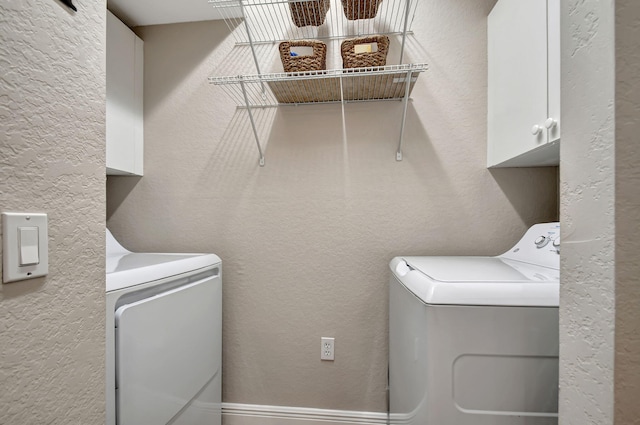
391 82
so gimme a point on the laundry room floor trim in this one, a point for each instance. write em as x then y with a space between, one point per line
252 414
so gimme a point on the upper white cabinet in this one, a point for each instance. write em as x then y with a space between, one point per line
524 83
125 133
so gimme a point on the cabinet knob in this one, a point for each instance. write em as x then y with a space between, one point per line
536 129
550 123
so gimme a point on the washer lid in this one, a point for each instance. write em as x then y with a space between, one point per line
478 281
480 269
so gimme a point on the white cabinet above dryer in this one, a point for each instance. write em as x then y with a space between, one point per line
523 127
124 113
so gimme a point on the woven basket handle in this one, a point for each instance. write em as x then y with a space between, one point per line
382 44
317 47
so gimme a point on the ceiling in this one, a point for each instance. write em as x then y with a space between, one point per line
153 12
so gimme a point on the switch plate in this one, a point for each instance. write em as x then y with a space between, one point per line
21 244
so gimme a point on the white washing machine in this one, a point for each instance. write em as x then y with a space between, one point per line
474 340
164 338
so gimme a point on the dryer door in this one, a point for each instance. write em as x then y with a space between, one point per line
167 349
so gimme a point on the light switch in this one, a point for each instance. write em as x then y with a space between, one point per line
28 244
24 246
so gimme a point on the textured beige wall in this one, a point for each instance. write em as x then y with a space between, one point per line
306 240
52 100
627 206
587 302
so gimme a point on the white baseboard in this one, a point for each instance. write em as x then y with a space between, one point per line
252 414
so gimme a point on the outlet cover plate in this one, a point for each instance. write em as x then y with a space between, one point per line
327 348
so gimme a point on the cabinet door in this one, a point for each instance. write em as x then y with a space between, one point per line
124 99
553 71
517 78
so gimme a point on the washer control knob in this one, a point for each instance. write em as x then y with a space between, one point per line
556 242
541 241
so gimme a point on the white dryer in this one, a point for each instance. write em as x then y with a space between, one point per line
164 337
474 340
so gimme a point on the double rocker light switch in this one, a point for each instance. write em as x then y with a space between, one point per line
24 246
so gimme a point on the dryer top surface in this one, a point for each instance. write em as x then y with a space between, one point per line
126 268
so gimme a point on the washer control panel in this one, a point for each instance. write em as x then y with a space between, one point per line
540 245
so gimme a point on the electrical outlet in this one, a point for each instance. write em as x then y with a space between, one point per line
327 351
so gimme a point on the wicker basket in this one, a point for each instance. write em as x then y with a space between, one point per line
360 9
351 59
309 12
315 62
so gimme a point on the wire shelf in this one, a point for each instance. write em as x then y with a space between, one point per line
269 21
337 85
259 25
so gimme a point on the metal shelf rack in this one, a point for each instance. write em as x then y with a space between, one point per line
260 25
267 21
